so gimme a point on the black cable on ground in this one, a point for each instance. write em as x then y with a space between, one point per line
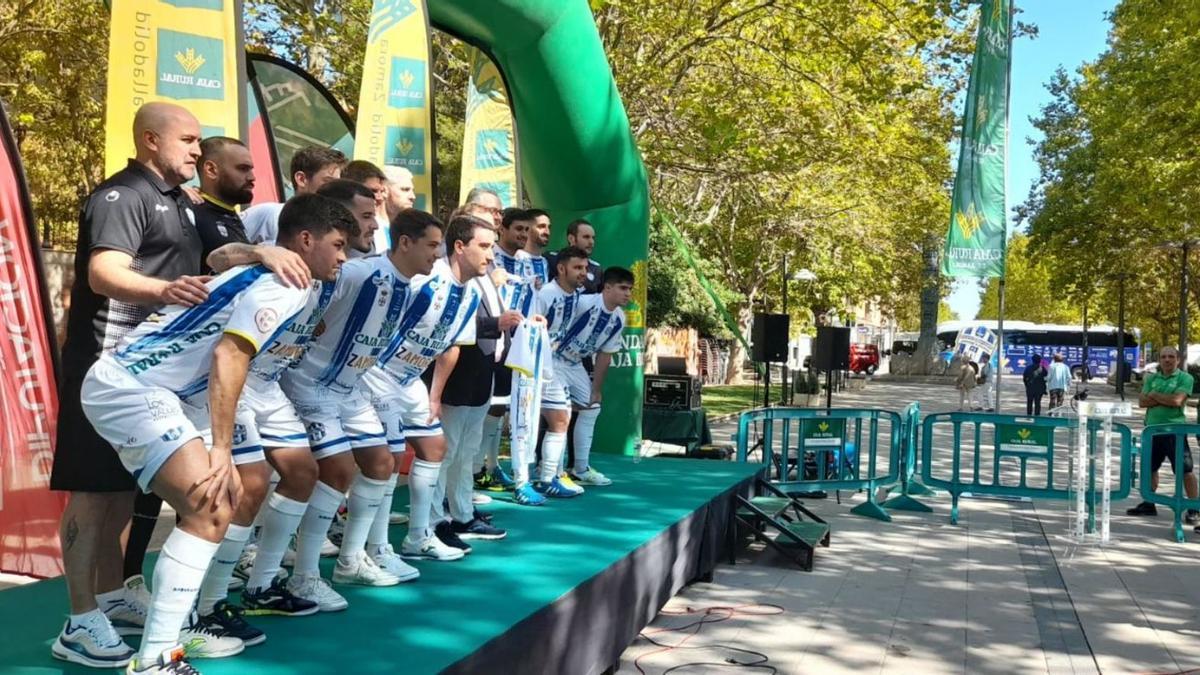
714 614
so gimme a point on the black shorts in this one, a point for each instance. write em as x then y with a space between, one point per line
1162 449
83 461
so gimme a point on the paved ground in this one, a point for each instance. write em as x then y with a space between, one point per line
1004 591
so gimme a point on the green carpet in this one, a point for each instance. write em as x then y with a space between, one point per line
424 626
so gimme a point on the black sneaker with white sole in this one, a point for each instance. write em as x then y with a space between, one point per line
445 534
477 529
226 621
277 600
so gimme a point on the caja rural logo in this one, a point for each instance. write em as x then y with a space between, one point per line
190 66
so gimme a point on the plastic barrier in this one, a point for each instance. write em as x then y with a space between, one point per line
1024 439
909 484
809 449
1177 500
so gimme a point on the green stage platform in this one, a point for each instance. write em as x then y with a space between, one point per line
595 568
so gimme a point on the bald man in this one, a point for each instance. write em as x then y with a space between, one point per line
138 249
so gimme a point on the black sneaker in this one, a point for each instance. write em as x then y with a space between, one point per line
1143 509
445 534
1191 517
485 516
477 529
277 600
483 479
226 621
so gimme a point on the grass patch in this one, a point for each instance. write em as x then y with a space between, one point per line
726 399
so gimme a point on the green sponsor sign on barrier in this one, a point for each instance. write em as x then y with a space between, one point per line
823 433
1022 438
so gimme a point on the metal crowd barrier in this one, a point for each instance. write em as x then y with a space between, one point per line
1177 501
808 449
1025 440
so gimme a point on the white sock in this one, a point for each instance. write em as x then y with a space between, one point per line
554 444
377 538
216 581
280 518
177 575
585 426
256 526
422 479
366 494
491 441
314 526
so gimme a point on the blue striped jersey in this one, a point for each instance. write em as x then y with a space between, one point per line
173 347
592 328
538 267
360 322
288 348
557 306
439 314
520 286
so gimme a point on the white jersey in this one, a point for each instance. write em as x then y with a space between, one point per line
439 314
262 222
519 287
557 306
538 267
530 360
173 347
289 347
591 329
362 319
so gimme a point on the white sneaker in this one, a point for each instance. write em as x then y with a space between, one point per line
201 642
388 560
478 499
429 548
313 587
171 662
591 477
330 549
397 518
128 615
362 571
92 643
241 571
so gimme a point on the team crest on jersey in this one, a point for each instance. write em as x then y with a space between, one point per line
316 431
265 319
239 434
173 434
112 196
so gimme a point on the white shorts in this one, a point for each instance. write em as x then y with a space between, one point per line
338 423
147 424
570 384
279 426
404 411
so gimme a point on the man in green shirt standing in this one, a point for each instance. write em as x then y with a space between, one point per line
1164 396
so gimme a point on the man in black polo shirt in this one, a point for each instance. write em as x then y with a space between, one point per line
226 182
137 249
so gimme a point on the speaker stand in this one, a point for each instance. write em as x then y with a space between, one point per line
828 390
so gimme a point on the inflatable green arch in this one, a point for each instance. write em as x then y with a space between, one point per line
578 156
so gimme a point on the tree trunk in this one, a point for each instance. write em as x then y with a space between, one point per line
737 353
930 297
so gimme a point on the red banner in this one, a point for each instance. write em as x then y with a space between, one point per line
29 511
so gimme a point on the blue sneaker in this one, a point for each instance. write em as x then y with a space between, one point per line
498 481
527 496
555 488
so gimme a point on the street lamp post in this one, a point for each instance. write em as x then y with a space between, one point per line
804 274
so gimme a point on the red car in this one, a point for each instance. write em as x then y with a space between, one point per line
864 359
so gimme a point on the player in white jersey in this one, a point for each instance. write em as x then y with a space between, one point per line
311 167
442 307
148 399
362 319
535 245
594 328
557 302
304 223
360 201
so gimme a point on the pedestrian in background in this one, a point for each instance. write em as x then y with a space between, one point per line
1058 380
1035 385
965 381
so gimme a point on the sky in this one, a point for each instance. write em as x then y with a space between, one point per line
1070 32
